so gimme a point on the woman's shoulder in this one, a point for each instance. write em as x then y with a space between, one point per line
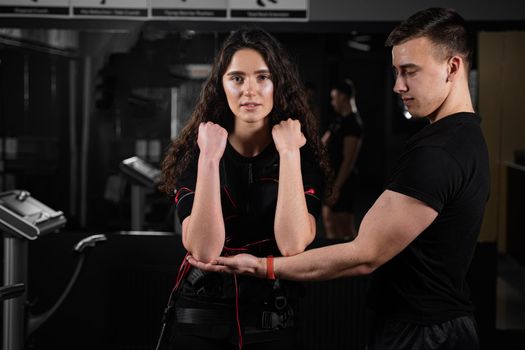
352 125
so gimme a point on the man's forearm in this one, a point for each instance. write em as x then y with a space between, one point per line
330 262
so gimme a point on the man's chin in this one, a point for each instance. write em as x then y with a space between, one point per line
416 115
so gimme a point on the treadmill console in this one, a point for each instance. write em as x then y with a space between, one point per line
23 216
140 172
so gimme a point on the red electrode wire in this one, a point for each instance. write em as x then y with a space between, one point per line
185 265
235 251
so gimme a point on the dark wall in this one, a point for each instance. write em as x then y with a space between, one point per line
34 110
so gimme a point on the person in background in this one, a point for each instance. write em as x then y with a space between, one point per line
311 98
419 237
343 140
246 175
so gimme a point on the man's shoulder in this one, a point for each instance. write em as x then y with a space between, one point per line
452 133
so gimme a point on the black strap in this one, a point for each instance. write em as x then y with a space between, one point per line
263 320
202 316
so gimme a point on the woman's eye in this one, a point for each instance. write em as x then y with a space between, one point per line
264 77
237 79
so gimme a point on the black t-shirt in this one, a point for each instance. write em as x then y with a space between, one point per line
249 187
340 128
446 166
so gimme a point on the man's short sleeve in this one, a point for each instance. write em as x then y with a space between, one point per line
429 174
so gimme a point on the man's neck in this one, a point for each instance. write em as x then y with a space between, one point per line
457 101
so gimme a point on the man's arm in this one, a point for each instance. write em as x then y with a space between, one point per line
389 226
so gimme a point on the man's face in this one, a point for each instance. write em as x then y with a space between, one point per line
421 77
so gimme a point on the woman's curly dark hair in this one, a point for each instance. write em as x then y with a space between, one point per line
289 102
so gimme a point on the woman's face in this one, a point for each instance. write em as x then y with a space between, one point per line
248 87
339 100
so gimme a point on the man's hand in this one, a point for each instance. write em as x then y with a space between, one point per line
244 264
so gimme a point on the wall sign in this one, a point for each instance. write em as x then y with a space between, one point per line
110 8
238 10
34 7
272 10
189 9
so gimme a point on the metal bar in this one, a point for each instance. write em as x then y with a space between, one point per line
15 271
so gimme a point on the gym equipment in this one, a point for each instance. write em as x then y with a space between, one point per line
140 172
23 219
22 216
142 175
12 291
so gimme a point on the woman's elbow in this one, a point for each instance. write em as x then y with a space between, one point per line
290 252
294 241
203 254
293 249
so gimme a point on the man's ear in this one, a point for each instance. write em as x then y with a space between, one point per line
454 64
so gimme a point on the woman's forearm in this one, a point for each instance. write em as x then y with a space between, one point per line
294 226
204 234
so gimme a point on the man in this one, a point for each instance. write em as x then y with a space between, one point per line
419 236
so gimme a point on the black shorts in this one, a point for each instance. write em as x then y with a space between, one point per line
457 334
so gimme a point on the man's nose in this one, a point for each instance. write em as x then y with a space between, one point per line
400 85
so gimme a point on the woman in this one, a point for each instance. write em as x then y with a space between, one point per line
343 141
245 176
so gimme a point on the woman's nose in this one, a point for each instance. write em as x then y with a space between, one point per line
249 87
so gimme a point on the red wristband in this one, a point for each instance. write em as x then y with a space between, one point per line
270 274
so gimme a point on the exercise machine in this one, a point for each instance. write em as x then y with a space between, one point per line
24 219
142 176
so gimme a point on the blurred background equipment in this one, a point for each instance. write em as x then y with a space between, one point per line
142 176
23 219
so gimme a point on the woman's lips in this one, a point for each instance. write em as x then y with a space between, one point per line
250 105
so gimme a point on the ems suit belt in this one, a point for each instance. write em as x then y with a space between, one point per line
265 319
